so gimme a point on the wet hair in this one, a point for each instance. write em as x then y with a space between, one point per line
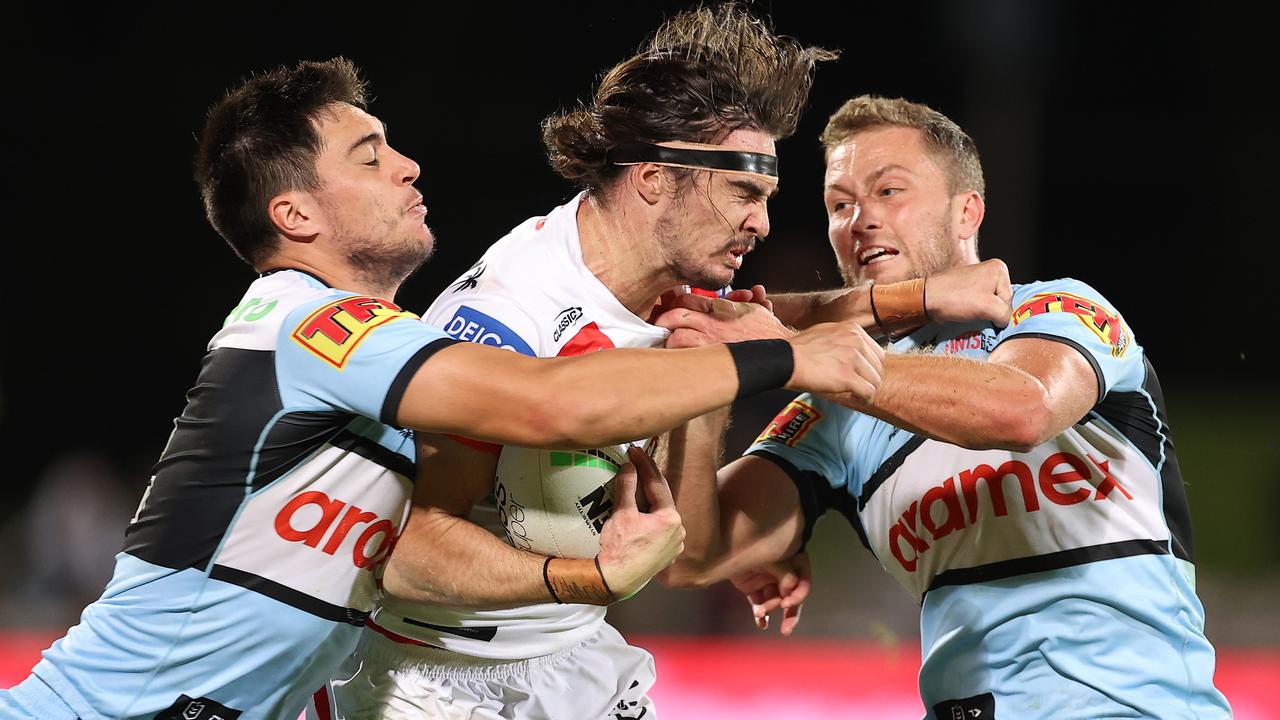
950 146
262 139
705 73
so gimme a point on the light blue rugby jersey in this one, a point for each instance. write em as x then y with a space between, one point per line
1055 583
248 569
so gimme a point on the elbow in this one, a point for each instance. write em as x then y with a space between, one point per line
1026 425
684 574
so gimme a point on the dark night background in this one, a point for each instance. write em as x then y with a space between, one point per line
1130 145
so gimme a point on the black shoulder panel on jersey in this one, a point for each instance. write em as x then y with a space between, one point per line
395 393
816 497
200 480
1145 423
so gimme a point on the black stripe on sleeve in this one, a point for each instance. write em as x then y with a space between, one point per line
289 596
816 497
1097 369
1050 561
395 393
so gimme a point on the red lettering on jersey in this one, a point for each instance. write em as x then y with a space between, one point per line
329 510
334 331
1101 321
589 339
940 513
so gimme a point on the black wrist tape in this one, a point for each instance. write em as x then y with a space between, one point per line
762 365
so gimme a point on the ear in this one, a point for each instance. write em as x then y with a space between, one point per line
296 215
649 182
968 214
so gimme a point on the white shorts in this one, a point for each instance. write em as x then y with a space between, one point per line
601 678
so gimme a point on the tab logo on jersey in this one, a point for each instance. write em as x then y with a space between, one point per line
471 325
567 318
310 516
334 331
791 424
1101 321
940 512
188 708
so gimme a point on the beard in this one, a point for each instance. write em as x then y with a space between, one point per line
935 253
389 264
681 260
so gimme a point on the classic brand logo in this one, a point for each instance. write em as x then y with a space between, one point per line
565 320
334 331
939 513
317 513
1101 321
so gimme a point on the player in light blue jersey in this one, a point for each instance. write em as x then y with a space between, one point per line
1018 478
254 557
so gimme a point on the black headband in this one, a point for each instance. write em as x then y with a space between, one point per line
732 160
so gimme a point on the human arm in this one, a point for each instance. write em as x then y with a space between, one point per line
611 396
443 558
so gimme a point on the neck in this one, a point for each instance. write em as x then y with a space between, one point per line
335 276
620 248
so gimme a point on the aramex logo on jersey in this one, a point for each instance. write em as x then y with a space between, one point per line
791 424
317 514
334 331
1103 322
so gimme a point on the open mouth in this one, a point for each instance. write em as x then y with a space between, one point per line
873 255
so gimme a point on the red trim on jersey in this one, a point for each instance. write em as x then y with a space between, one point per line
589 339
482 446
321 701
394 636
703 292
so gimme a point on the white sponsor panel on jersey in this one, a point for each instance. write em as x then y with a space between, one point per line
333 520
1084 488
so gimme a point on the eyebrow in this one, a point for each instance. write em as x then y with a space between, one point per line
873 177
373 137
754 188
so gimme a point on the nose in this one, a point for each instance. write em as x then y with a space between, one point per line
406 170
757 223
866 217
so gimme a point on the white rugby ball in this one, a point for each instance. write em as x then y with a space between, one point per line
555 502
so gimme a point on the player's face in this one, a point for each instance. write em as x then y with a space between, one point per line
889 215
717 218
367 197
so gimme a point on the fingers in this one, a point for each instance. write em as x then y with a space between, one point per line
740 295
790 618
624 488
655 485
684 318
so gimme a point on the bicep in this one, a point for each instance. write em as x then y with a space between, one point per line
1070 381
452 476
761 518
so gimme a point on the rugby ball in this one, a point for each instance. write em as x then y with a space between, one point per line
555 502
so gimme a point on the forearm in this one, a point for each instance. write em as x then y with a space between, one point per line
586 401
802 310
978 405
442 559
690 458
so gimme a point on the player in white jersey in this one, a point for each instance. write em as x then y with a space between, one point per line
1021 483
676 155
252 561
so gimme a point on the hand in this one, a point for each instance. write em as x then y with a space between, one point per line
782 585
696 320
971 292
837 358
636 545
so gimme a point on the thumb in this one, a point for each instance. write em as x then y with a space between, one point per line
624 488
655 485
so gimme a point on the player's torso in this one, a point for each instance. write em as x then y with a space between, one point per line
529 293
249 566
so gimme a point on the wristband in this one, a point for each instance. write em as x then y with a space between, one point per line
762 365
612 597
901 307
546 579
